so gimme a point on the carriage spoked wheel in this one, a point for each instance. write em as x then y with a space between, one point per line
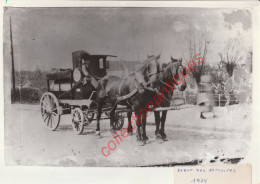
118 122
78 120
89 116
50 110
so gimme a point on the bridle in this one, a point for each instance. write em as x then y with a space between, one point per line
172 65
146 85
140 84
154 73
149 74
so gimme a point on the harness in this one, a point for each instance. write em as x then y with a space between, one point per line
140 84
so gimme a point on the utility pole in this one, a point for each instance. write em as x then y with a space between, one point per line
12 56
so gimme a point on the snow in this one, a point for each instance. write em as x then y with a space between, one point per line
28 142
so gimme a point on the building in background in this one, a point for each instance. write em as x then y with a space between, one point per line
122 68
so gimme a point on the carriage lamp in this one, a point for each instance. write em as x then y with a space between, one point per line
76 75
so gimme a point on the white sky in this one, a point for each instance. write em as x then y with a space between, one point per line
46 37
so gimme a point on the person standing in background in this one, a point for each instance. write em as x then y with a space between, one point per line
205 97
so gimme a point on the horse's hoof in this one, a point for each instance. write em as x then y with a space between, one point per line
112 131
158 136
138 138
146 138
143 142
97 133
130 133
156 132
165 138
202 117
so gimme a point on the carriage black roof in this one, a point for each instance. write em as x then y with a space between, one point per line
103 55
86 54
67 74
59 75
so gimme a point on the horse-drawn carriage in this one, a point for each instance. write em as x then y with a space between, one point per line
83 91
70 91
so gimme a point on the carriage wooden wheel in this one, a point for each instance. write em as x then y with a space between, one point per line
78 120
89 116
50 110
118 122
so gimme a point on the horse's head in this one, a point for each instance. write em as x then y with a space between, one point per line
151 70
177 70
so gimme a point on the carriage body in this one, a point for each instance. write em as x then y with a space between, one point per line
66 84
69 94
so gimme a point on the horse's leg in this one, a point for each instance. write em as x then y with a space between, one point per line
138 132
163 119
157 123
112 117
144 115
99 108
129 125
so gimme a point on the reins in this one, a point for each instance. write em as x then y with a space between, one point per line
143 83
73 87
155 90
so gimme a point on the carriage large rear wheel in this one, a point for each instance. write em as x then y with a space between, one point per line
50 110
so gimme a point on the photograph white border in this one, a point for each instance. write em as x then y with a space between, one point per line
32 174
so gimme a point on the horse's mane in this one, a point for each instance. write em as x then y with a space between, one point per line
165 65
147 61
166 68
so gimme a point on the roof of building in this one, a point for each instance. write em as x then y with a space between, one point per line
123 65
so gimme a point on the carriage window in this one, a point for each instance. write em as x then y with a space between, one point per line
107 64
101 63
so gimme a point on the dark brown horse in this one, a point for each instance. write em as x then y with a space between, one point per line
171 78
135 89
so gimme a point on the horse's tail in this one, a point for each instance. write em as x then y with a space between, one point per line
101 89
126 70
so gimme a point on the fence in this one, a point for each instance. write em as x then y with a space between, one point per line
219 99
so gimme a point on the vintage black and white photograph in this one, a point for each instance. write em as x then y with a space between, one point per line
127 86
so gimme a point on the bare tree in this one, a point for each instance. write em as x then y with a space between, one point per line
38 79
230 56
197 43
21 79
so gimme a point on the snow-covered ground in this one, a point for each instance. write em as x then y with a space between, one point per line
223 139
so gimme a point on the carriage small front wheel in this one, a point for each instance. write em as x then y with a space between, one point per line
78 121
89 117
50 110
118 122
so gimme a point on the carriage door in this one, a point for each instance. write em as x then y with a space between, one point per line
77 74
